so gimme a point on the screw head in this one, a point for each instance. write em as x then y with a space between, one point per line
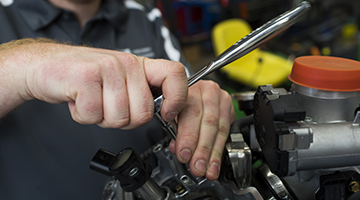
354 186
308 119
133 171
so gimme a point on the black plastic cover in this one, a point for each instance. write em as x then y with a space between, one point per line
126 166
102 161
337 185
130 170
271 115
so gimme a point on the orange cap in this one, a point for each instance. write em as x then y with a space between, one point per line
326 73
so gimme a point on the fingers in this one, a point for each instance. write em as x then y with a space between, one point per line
204 120
189 122
105 87
87 109
227 116
128 102
112 89
209 127
203 129
87 94
171 77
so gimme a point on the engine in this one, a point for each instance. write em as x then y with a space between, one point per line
298 144
310 135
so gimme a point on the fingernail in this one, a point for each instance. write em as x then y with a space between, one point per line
171 115
214 168
200 165
185 155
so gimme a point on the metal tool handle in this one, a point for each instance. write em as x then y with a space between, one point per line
243 47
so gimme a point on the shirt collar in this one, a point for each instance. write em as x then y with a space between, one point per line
113 11
40 13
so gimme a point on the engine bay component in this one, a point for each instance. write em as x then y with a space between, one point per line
309 129
169 180
131 171
338 185
275 184
307 144
239 156
310 136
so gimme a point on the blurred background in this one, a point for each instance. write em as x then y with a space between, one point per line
205 28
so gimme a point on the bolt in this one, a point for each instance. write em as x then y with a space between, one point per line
308 119
157 148
354 186
179 189
133 171
185 179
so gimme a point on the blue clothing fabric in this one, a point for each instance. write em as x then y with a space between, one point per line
44 154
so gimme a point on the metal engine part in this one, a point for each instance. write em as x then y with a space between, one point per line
294 139
239 156
308 147
308 134
178 183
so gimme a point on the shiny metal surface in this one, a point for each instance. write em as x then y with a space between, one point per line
240 159
252 41
243 96
335 145
169 127
113 191
327 106
323 94
151 190
170 171
238 50
356 121
275 183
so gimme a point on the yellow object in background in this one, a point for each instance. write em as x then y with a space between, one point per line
254 69
326 51
349 30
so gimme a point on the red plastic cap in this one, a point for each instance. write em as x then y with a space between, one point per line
326 73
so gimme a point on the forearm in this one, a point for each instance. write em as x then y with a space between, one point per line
14 58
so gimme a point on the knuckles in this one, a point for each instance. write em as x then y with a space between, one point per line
177 69
131 59
90 115
223 131
119 123
193 110
109 62
210 85
143 117
211 120
134 121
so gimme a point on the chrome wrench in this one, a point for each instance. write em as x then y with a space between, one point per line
242 47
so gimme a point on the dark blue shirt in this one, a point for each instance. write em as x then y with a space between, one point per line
44 154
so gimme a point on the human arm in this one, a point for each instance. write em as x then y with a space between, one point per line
104 87
111 89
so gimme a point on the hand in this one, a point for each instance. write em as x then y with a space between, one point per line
103 87
203 128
